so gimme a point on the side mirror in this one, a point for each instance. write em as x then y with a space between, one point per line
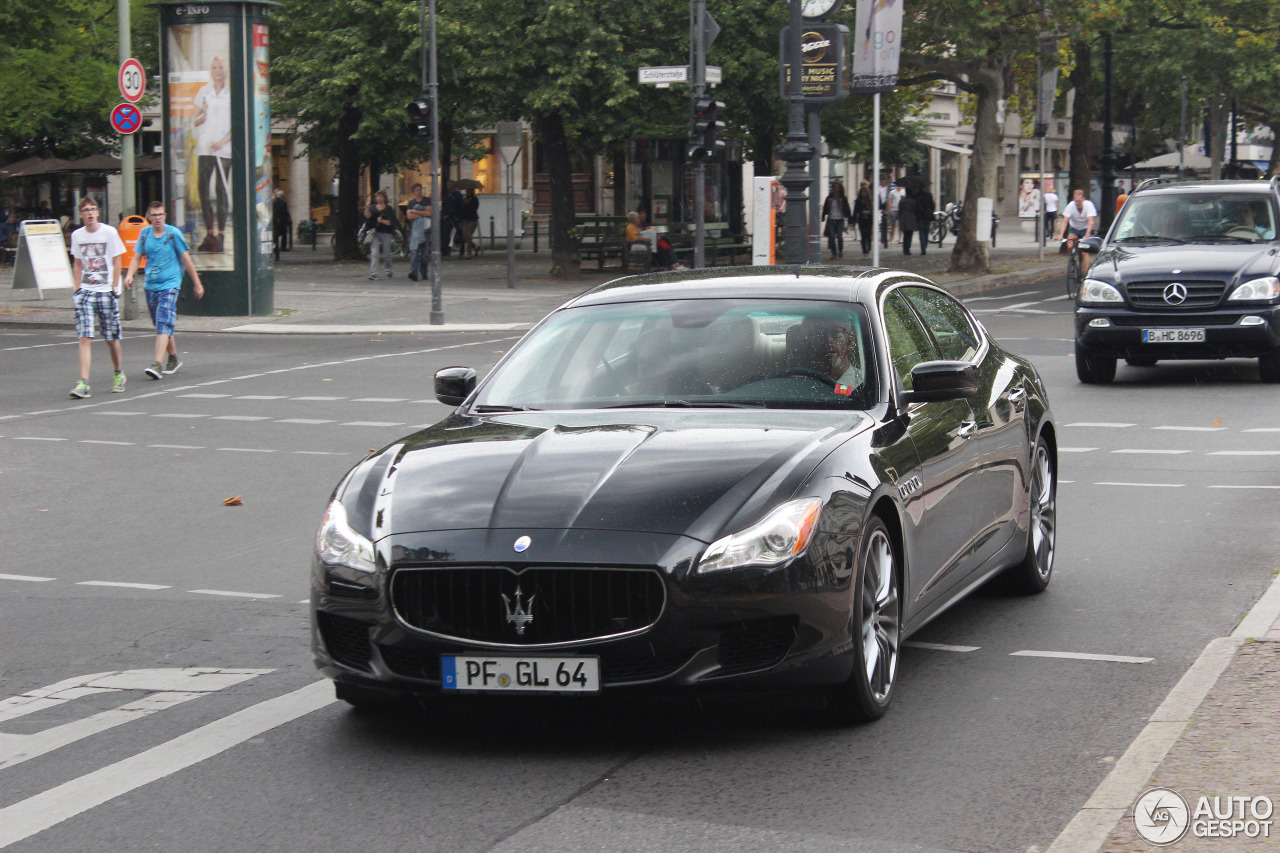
454 384
1091 245
933 381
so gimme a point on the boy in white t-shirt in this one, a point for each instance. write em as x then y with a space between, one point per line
97 248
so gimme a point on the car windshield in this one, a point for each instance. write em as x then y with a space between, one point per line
1187 217
695 353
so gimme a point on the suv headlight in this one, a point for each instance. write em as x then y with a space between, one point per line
1094 291
337 544
776 538
1258 290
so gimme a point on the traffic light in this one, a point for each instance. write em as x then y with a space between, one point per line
419 117
707 126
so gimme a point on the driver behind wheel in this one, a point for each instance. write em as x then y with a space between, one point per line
825 347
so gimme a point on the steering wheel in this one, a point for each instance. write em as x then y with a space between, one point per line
807 373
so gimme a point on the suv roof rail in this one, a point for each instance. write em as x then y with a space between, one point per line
1275 183
1151 182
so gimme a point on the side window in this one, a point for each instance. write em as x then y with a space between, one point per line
948 321
908 343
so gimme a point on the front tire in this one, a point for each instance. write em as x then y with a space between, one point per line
877 631
1094 369
1032 575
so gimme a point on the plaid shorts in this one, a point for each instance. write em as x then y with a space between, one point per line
163 305
104 306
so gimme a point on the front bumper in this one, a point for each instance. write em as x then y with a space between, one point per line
1243 332
784 628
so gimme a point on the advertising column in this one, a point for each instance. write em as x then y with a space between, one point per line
217 163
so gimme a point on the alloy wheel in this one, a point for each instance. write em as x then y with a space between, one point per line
1044 515
880 616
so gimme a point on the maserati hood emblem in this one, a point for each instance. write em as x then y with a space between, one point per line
522 614
1176 293
522 544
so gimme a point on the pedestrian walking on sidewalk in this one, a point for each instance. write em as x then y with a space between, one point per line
925 208
281 223
97 248
837 212
862 215
418 212
382 220
167 256
470 222
907 224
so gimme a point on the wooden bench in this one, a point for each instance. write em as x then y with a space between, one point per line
718 243
601 238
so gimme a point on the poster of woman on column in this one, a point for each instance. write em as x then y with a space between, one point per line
200 140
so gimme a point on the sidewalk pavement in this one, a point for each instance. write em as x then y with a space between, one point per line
1216 734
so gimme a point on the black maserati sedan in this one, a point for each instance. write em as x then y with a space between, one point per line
1188 271
746 479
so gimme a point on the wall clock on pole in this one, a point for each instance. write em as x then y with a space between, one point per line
819 9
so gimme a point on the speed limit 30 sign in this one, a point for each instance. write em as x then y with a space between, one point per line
133 80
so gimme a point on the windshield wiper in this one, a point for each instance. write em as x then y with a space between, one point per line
685 404
489 410
1148 238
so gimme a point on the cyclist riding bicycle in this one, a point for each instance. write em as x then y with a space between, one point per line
1078 218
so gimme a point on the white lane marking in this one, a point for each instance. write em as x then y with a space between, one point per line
319 399
1264 429
1191 428
49 808
231 594
1144 485
173 415
176 446
304 421
241 418
205 396
35 438
1029 653
1060 482
373 424
167 687
318 453
1075 449
1151 451
1239 487
101 441
117 414
31 578
263 397
998 298
247 449
939 647
1245 453
379 400
123 584
1100 424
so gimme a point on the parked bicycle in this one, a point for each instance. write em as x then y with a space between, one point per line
949 219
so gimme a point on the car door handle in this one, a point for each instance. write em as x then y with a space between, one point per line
1018 397
967 429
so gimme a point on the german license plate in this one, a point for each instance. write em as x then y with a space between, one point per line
520 675
1173 336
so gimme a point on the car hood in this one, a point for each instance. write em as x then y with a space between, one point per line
1194 260
687 473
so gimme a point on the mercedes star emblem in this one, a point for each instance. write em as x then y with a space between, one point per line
1176 293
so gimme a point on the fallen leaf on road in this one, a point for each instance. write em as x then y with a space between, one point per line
1217 422
233 501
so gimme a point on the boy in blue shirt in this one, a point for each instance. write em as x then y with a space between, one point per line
167 255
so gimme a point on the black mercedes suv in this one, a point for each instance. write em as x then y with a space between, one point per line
1187 271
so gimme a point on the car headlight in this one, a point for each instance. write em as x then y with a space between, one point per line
776 538
1258 290
1094 291
337 544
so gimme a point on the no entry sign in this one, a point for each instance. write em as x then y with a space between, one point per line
133 80
125 118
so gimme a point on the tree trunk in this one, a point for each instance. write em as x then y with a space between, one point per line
987 82
763 139
620 180
1218 144
1081 154
1273 167
346 218
555 145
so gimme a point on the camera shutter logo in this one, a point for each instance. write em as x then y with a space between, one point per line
1161 816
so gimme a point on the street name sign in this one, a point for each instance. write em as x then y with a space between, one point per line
664 75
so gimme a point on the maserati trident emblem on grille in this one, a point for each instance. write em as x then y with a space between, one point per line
1176 293
522 544
521 616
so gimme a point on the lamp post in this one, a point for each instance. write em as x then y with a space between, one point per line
433 89
796 151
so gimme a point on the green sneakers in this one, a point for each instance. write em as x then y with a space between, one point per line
81 390
117 382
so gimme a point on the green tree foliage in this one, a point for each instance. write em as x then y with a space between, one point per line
60 60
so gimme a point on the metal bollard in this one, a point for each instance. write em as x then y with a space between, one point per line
535 236
491 237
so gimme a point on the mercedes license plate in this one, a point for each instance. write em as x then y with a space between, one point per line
520 675
1173 336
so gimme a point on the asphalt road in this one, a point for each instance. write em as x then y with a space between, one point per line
120 557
